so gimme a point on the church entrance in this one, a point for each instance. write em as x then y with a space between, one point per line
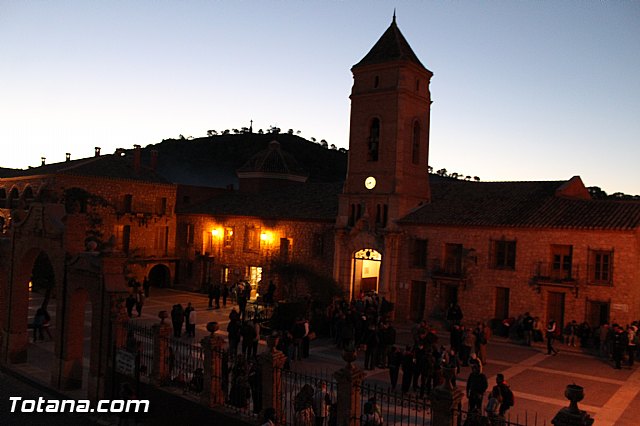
366 272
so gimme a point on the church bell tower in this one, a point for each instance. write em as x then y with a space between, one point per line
387 175
389 134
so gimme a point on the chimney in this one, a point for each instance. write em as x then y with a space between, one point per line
97 148
68 155
136 158
43 160
154 160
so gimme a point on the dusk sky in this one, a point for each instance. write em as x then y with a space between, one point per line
522 90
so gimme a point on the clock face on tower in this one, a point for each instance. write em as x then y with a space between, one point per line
370 182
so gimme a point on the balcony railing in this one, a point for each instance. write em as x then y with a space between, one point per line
149 252
556 275
448 269
553 273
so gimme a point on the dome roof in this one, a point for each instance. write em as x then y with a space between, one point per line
273 163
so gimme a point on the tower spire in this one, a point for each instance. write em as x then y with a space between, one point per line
394 16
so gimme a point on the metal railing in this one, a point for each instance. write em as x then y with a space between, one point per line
241 385
185 364
300 399
393 408
140 343
475 418
556 273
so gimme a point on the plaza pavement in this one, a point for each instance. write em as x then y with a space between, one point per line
612 397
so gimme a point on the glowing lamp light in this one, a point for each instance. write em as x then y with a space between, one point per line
30 286
265 237
215 232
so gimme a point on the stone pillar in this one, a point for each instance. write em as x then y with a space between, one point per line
445 401
572 415
271 363
349 379
119 320
117 339
160 372
212 346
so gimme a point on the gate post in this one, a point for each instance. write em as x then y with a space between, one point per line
349 380
271 363
212 347
572 415
159 370
445 401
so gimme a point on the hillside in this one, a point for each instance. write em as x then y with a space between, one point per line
212 161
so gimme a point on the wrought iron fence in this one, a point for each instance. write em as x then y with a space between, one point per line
303 394
185 365
241 385
467 418
140 343
392 408
308 396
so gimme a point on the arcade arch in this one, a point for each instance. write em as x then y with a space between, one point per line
14 197
160 276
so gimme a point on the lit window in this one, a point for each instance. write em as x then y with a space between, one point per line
228 237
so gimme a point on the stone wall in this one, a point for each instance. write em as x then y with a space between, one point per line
477 295
310 243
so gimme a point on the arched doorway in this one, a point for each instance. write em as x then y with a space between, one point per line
365 275
160 276
30 317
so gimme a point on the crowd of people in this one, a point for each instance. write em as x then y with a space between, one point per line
615 342
363 324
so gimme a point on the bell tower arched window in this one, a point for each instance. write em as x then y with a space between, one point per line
415 157
374 140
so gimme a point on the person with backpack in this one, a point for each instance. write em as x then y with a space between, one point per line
491 410
507 399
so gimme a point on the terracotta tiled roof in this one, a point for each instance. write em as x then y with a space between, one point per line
108 166
520 204
311 201
392 46
4 172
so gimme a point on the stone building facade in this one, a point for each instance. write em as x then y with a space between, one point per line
95 224
422 241
498 249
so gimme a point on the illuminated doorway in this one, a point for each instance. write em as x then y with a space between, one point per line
254 275
366 272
